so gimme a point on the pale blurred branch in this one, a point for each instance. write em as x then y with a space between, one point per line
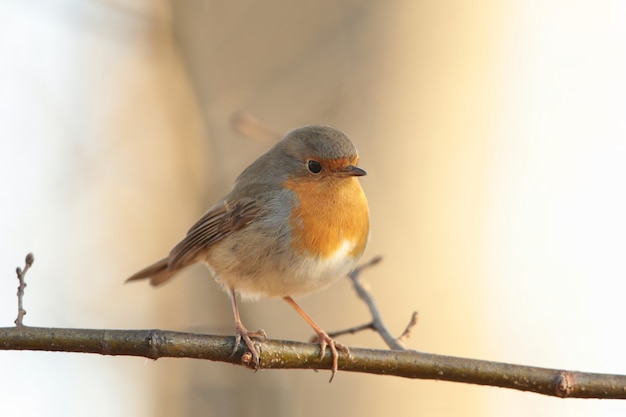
278 354
377 321
253 128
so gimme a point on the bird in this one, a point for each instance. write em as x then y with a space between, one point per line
295 221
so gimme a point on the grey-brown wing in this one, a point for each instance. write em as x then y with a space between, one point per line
218 222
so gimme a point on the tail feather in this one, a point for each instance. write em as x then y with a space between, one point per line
158 273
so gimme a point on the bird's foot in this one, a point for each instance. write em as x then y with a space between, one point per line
325 341
242 333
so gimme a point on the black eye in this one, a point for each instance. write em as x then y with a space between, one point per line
314 167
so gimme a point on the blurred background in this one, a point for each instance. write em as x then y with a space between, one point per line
493 134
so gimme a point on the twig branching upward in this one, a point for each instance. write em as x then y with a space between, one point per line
377 322
21 274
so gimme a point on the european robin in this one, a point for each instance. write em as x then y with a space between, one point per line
295 222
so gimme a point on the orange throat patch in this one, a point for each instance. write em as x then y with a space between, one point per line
331 216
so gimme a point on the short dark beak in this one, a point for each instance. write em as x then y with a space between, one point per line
353 171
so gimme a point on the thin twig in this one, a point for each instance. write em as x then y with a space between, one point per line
376 324
366 296
21 274
407 331
351 330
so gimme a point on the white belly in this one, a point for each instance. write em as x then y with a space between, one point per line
295 277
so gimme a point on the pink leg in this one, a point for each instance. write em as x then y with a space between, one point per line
242 333
322 337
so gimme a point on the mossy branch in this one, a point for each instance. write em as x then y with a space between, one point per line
277 354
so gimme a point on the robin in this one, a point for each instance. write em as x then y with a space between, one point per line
295 222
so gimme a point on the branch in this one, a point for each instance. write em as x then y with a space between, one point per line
278 354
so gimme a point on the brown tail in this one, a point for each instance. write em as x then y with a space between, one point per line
157 272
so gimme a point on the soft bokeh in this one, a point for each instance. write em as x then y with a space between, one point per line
493 134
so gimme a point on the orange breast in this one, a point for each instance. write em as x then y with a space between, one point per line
330 213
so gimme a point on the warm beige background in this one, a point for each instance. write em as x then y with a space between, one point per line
492 132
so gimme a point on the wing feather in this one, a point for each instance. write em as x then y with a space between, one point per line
218 222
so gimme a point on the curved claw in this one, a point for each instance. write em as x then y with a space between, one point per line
242 333
325 341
